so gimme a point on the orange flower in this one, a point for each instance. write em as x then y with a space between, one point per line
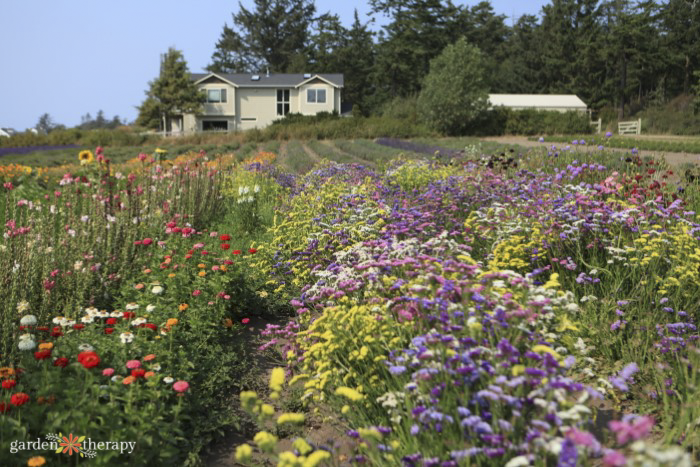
202 273
146 271
128 380
184 306
139 286
201 265
168 260
148 374
228 323
171 322
46 346
171 275
223 268
149 357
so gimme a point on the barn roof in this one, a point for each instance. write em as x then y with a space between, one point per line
569 101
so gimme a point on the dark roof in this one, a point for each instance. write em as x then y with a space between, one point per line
275 79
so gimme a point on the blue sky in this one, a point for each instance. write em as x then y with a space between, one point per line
71 57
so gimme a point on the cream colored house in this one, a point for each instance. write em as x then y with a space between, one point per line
557 102
243 101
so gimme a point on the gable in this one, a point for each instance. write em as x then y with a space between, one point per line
316 81
213 80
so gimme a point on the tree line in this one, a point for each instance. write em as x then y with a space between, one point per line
617 54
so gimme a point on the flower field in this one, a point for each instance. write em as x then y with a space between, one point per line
536 309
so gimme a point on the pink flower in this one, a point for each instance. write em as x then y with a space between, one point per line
108 371
132 364
638 429
198 245
245 320
196 292
614 459
147 241
181 386
143 156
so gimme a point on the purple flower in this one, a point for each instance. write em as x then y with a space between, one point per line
568 455
608 134
614 459
637 429
397 369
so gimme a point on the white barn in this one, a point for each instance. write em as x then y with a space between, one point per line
556 102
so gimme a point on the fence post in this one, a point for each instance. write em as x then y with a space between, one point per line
639 126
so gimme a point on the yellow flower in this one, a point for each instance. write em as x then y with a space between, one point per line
345 409
545 349
290 418
171 275
46 346
161 151
302 446
265 441
86 157
267 409
350 393
317 457
248 399
36 461
289 459
370 433
277 379
243 453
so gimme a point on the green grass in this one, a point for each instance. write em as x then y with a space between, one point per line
296 158
626 142
331 152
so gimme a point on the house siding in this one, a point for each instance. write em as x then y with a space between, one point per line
312 108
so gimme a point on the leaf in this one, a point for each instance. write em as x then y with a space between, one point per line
58 451
81 439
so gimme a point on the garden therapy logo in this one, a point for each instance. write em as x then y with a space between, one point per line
70 445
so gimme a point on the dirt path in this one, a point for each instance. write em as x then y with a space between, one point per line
675 159
312 154
352 158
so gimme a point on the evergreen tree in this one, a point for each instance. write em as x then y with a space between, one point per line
172 93
274 35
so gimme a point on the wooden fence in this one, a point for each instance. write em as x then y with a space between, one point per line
597 124
630 128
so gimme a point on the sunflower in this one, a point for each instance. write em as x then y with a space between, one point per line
86 157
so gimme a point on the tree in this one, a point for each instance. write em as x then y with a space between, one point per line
172 93
454 93
274 35
46 124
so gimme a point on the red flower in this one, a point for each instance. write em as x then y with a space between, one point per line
171 224
236 252
196 292
128 314
224 237
150 326
252 251
651 171
245 320
137 242
225 246
89 359
42 328
62 362
18 399
9 384
56 332
78 326
111 321
4 407
147 241
138 372
109 330
42 354
228 262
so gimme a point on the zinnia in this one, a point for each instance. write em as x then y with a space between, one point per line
181 386
61 362
18 399
131 364
225 237
9 384
89 359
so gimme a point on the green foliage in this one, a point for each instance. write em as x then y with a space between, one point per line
405 108
454 93
274 34
537 122
172 93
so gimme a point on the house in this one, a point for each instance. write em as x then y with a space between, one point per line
243 101
556 102
7 132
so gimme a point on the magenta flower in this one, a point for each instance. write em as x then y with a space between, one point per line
614 459
132 364
108 371
181 386
637 429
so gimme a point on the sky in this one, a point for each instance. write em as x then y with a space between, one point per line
68 58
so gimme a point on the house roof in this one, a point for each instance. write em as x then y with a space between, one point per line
568 101
273 80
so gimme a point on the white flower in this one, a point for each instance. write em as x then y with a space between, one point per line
240 190
245 190
126 337
150 308
84 218
132 306
116 314
256 188
155 367
77 265
26 344
168 380
138 321
22 306
87 319
250 199
28 320
91 311
26 337
58 320
519 461
157 289
67 322
116 378
85 348
103 314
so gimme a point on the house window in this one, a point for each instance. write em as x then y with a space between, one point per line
317 96
216 95
214 125
282 102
